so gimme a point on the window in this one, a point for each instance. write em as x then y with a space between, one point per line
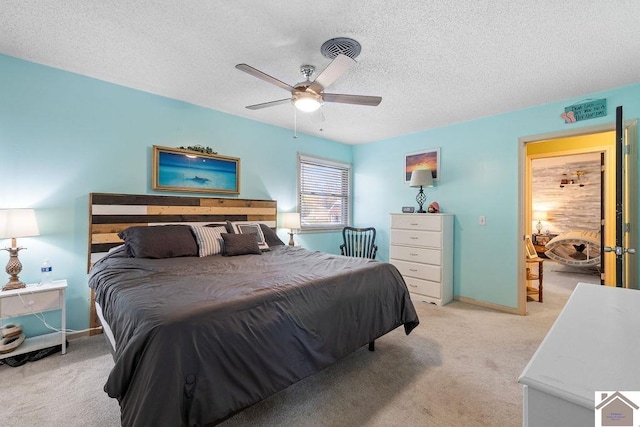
324 193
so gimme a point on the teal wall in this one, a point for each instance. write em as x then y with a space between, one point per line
479 176
63 136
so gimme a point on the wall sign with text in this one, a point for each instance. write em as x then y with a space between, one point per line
585 111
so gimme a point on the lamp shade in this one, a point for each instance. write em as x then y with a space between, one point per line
421 177
540 215
291 220
18 223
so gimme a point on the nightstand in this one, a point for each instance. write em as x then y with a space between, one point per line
36 299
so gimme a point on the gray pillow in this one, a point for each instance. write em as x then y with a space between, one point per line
270 236
240 244
163 241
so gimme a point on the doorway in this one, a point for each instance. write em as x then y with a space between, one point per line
594 140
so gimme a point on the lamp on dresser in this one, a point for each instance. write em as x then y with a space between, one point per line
16 223
421 178
291 220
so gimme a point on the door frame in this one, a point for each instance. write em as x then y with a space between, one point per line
631 127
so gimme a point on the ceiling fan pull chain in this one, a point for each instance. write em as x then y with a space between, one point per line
295 123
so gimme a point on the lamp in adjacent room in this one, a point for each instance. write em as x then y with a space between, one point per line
421 178
540 216
16 223
291 220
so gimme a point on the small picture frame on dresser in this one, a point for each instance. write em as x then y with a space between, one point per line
408 209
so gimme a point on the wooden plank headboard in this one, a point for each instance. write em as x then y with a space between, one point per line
111 213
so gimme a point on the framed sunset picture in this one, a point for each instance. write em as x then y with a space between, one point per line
426 159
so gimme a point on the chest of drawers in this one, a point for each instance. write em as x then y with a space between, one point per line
421 248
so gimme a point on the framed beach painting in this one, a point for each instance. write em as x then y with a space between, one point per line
175 169
426 159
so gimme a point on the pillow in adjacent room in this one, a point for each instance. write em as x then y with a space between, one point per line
251 228
270 236
240 244
161 241
209 239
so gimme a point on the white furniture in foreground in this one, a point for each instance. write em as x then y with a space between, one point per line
422 250
36 299
592 346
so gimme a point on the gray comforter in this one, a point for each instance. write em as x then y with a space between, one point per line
198 339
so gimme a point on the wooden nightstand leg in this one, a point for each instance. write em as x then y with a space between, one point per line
540 267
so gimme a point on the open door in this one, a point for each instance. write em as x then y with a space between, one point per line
626 203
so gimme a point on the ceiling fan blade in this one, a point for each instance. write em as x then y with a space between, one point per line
326 78
266 77
317 116
352 99
269 104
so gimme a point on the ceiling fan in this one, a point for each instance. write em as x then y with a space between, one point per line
308 96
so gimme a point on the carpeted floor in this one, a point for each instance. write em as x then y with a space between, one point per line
458 368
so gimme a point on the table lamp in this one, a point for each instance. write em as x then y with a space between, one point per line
540 216
421 178
16 223
291 220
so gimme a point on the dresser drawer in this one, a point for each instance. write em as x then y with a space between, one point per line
27 303
416 238
417 270
417 222
415 254
423 287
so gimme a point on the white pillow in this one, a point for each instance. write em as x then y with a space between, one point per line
209 239
251 228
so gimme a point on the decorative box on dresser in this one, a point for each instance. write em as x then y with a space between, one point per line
421 248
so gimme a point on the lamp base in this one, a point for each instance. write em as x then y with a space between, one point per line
13 283
421 198
14 267
291 242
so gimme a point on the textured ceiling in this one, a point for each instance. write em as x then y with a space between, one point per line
433 62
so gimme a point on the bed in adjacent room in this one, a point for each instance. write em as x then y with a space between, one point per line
197 338
577 248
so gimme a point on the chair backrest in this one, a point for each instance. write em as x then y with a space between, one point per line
359 242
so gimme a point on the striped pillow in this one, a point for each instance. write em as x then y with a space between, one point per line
209 239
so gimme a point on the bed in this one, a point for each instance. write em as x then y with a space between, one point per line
578 248
197 338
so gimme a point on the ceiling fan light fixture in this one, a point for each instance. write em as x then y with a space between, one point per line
307 102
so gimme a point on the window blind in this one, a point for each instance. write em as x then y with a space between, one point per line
324 193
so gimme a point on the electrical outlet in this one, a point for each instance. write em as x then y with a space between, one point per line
482 220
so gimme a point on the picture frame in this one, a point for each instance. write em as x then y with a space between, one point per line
530 249
175 169
425 159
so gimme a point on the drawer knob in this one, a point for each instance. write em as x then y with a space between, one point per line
413 270
413 238
413 286
413 254
414 223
